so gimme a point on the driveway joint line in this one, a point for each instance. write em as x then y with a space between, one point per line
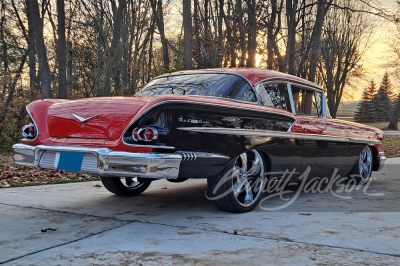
63 244
68 212
287 240
145 221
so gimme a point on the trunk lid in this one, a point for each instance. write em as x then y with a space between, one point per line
106 117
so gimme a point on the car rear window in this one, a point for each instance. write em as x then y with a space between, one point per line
213 85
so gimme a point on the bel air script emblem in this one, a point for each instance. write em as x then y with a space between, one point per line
83 120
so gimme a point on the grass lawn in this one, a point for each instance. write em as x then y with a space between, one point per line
346 112
380 125
391 146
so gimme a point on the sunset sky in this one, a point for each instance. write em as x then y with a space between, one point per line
379 56
376 60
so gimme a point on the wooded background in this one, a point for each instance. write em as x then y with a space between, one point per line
87 48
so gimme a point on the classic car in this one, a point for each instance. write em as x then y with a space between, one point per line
235 127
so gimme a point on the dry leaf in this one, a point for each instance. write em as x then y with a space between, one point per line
306 214
48 229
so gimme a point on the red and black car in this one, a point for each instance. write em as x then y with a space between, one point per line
235 127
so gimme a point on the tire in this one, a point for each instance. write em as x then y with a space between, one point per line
131 186
362 169
238 187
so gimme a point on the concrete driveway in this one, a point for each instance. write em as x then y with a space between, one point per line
175 224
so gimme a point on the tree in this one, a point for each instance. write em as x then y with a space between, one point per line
35 23
323 7
345 39
157 7
113 49
394 119
188 34
62 53
387 86
252 38
382 105
383 100
366 111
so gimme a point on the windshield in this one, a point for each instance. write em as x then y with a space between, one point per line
214 85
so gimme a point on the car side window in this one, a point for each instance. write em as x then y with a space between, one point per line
243 93
274 95
307 102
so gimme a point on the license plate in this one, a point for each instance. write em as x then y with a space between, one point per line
70 161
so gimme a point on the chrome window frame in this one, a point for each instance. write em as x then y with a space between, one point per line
289 84
288 87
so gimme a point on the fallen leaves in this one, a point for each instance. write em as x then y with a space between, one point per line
48 229
97 185
13 176
304 213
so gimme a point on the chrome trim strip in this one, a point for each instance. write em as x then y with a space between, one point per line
289 88
110 163
323 106
296 82
276 134
148 146
33 120
81 119
192 102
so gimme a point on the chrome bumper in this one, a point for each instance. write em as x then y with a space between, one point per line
103 161
382 160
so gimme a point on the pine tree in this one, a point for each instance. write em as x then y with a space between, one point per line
394 120
387 86
366 108
382 105
384 99
371 91
361 113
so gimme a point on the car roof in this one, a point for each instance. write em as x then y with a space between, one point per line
253 75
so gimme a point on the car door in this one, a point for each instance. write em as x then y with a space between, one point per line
284 153
322 150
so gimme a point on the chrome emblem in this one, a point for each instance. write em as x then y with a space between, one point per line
81 119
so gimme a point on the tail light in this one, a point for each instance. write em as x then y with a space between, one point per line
135 134
150 134
145 134
29 131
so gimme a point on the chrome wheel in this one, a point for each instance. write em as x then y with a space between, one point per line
248 178
132 182
365 164
127 186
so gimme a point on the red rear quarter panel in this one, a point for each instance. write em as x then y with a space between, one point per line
48 113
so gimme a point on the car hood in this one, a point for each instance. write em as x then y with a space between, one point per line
107 117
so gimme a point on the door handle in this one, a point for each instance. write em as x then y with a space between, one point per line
306 121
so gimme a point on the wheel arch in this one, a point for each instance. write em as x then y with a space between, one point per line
375 153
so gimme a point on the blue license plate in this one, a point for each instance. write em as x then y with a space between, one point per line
70 161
